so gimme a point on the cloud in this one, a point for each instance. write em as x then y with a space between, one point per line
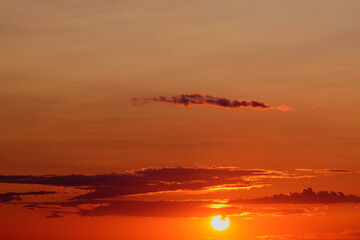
198 99
13 196
181 209
156 209
328 171
137 192
98 194
162 208
306 196
54 215
198 208
149 180
346 235
337 171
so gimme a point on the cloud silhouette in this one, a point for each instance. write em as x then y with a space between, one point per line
306 196
104 194
198 99
149 180
154 209
13 196
346 235
163 208
54 214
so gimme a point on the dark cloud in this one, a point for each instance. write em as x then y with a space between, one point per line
307 196
148 180
173 209
338 171
157 209
198 208
179 209
198 99
54 215
98 195
346 235
14 196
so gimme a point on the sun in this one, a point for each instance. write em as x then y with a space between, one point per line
219 223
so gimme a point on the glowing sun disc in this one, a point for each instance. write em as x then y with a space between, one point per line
219 223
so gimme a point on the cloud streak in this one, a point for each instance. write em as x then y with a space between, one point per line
163 208
149 180
198 99
133 193
306 196
14 196
346 235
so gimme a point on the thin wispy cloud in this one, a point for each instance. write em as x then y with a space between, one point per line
346 235
198 99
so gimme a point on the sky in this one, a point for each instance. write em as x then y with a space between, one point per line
145 119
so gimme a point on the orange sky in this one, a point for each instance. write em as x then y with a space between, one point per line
151 168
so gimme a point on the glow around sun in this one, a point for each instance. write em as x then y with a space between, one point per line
219 223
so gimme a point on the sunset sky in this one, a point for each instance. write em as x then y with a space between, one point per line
145 119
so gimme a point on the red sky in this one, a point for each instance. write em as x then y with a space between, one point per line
144 119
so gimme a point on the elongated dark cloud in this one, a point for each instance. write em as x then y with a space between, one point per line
54 214
174 209
198 99
346 235
178 209
132 193
156 209
11 196
329 171
148 180
306 196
